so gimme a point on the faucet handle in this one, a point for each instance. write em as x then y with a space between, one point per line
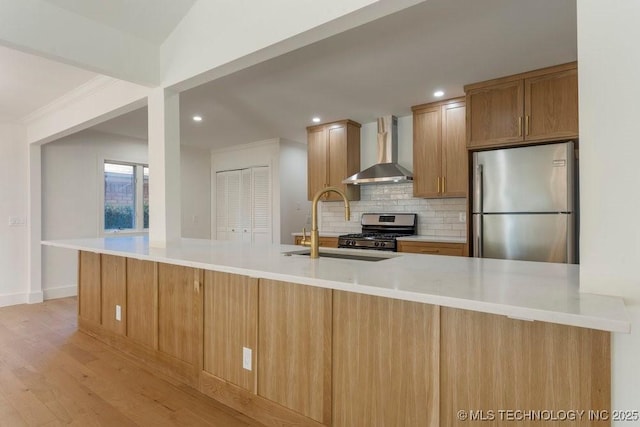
305 241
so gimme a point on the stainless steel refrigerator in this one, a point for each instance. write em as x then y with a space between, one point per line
523 203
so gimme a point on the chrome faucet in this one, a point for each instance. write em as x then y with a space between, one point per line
314 241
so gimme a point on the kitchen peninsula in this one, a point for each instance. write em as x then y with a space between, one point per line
408 340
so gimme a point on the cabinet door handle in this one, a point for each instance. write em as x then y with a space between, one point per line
444 185
526 125
429 251
438 179
520 126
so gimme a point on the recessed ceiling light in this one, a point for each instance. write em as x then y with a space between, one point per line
197 118
438 93
316 120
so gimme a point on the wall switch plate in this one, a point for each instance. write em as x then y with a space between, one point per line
462 217
17 221
118 313
246 358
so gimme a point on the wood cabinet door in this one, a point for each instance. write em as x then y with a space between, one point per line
491 362
455 163
427 152
431 248
551 106
495 114
114 293
385 362
230 325
142 302
344 159
180 312
337 158
89 287
317 161
294 341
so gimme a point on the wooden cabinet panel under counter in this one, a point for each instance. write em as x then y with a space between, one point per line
180 312
89 287
142 302
431 248
114 293
386 362
490 362
230 326
294 357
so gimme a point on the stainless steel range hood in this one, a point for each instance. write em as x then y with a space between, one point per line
386 170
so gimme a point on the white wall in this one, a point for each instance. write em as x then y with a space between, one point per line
195 171
71 182
294 207
13 203
609 66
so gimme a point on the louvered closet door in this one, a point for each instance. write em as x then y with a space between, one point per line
261 209
221 206
245 205
234 205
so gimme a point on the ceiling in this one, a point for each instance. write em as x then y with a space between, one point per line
380 68
28 82
151 20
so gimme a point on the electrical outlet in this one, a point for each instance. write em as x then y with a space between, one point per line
16 221
462 217
118 313
246 358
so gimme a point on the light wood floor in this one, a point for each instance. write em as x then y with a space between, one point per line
53 375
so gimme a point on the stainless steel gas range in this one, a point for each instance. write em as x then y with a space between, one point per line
379 231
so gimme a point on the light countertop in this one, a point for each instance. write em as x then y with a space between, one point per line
414 238
524 290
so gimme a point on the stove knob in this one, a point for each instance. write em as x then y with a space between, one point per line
382 244
352 242
377 244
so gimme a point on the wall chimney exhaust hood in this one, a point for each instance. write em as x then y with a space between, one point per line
386 170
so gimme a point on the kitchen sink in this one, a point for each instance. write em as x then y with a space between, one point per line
340 255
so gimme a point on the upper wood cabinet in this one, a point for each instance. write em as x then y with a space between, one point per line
537 106
439 149
333 155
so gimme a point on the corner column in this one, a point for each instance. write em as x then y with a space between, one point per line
34 230
164 167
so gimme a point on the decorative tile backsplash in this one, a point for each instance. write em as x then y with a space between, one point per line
436 217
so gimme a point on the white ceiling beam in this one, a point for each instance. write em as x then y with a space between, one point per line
218 38
97 101
40 28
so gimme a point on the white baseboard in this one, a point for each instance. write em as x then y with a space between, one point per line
35 297
60 292
13 299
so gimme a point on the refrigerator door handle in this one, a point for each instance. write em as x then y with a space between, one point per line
478 189
477 234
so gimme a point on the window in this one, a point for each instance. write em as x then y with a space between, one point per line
126 197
